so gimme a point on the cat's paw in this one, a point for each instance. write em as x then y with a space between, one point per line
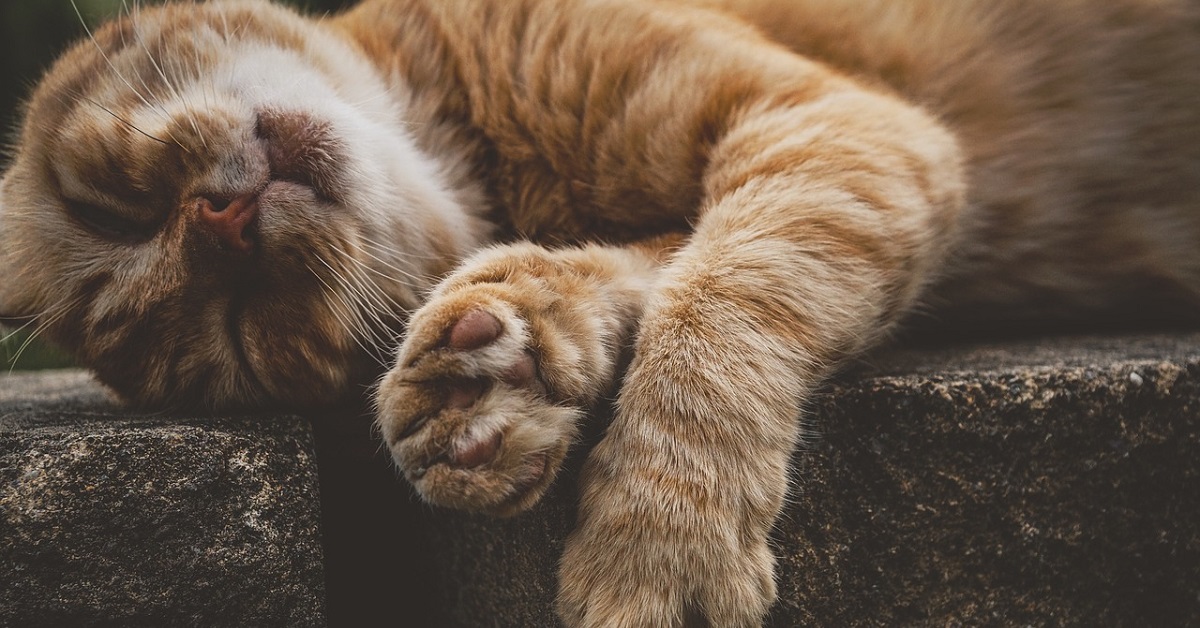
466 412
490 383
656 546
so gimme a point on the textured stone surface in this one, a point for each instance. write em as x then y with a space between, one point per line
108 518
1037 482
1022 483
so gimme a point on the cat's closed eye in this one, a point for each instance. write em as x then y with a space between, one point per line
110 224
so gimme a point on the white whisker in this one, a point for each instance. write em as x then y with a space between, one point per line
56 313
390 266
357 312
12 334
107 60
367 267
123 121
137 35
224 25
156 104
338 315
398 252
375 301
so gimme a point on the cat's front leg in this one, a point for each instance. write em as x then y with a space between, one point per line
821 226
500 364
678 499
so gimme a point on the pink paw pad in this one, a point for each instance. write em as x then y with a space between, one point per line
522 374
478 454
475 329
464 395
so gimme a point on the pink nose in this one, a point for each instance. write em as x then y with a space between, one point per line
231 221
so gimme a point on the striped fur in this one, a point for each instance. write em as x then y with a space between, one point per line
733 196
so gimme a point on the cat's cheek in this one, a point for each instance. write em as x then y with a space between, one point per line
12 310
295 361
7 310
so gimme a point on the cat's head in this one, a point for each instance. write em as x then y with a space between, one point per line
218 204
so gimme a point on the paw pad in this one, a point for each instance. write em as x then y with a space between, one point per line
466 412
479 453
475 329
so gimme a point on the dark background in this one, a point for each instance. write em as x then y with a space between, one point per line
33 32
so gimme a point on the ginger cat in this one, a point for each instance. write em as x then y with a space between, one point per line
228 204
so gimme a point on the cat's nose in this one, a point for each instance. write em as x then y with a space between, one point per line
231 220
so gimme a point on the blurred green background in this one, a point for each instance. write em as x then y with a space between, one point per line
32 32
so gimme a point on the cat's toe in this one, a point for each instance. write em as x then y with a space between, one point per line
497 455
477 328
466 416
477 453
464 394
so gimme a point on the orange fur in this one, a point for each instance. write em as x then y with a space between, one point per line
744 193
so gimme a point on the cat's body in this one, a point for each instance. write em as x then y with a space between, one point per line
271 196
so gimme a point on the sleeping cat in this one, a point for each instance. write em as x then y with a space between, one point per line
496 204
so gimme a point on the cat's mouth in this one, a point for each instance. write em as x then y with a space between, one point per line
296 333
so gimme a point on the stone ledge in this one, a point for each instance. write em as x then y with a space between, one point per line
1034 482
1038 482
110 518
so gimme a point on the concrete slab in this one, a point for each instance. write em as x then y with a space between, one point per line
1040 482
114 518
1037 482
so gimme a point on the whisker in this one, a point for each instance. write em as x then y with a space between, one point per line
366 267
202 81
137 35
371 293
373 303
224 25
390 266
133 19
345 317
12 334
339 315
387 94
59 310
158 109
382 306
225 28
107 60
124 121
398 252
